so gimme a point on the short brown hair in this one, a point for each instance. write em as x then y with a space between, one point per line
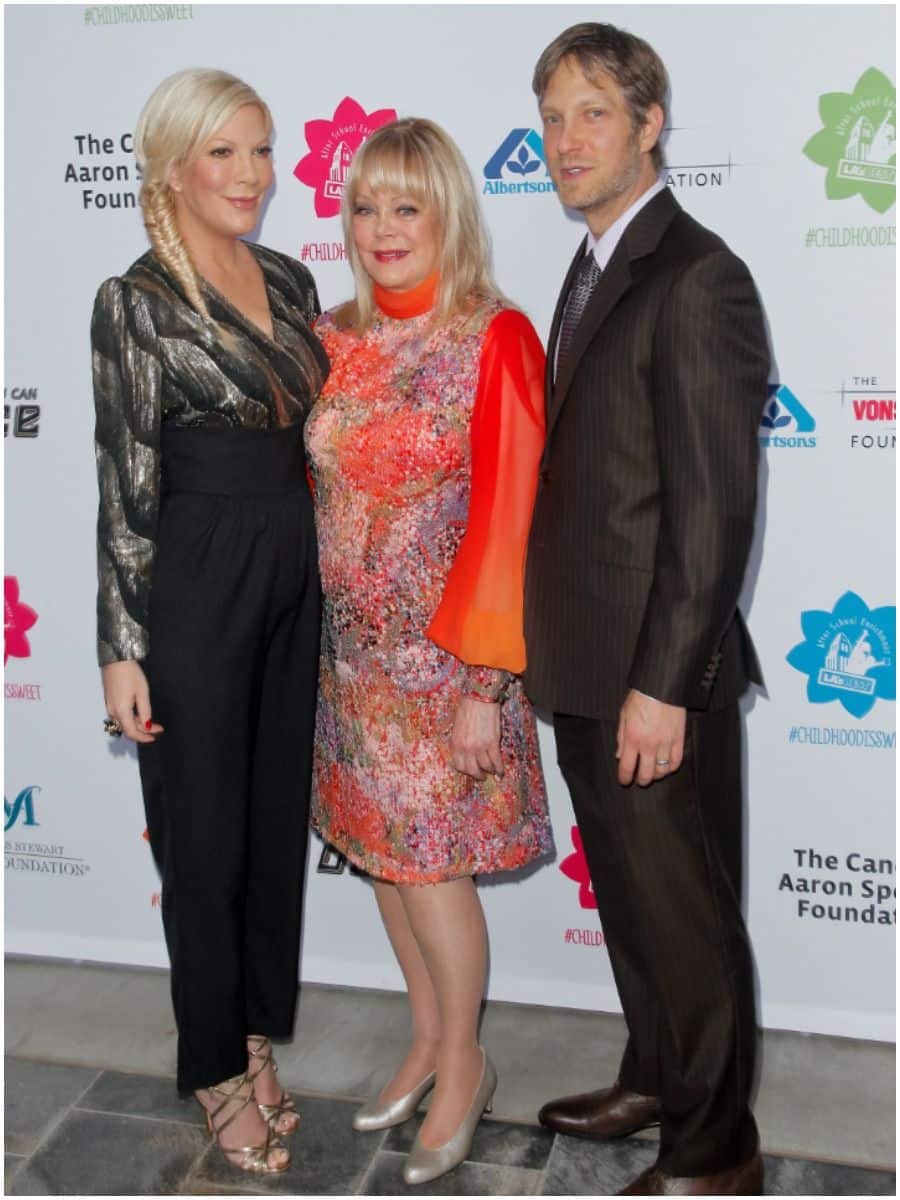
632 63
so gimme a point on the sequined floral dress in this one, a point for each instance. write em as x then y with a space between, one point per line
424 448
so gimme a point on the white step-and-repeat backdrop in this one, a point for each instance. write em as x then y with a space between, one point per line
782 139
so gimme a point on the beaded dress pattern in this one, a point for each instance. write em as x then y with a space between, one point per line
389 446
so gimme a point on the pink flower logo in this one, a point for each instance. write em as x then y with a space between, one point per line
332 144
575 867
18 619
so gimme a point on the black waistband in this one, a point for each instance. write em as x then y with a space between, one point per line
245 462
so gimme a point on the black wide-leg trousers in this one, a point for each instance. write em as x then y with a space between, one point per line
665 863
232 668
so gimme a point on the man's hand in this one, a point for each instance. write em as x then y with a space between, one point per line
475 740
650 739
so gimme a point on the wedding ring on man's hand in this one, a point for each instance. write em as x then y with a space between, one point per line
112 727
662 762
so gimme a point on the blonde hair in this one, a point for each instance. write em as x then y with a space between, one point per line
182 114
415 157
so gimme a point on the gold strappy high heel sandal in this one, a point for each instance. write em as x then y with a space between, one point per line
256 1160
260 1048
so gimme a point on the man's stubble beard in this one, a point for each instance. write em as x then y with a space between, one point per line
612 189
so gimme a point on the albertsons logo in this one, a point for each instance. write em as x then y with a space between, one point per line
785 423
515 165
849 654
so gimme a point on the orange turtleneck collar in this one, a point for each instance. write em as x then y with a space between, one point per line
403 305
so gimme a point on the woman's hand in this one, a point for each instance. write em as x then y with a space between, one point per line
475 740
127 698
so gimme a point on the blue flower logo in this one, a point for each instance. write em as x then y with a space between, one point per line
523 164
849 654
773 417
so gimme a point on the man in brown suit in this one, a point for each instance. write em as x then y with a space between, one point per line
656 382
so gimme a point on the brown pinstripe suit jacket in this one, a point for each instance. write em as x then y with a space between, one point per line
644 514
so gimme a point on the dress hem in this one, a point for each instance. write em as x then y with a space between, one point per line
432 876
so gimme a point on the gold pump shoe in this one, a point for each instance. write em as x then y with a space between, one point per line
376 1114
424 1163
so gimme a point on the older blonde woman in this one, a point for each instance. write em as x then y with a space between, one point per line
424 448
205 368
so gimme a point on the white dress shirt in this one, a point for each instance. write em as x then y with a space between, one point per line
604 245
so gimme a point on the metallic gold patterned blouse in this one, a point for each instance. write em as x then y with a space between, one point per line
155 359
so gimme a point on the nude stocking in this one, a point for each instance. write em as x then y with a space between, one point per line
426 1022
447 924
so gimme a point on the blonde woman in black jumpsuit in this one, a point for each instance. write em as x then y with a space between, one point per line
205 369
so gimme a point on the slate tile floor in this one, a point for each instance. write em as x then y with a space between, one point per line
78 1131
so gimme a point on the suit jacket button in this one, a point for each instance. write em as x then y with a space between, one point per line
545 476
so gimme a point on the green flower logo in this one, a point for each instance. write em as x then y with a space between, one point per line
858 141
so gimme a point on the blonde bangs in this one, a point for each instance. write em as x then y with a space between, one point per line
398 168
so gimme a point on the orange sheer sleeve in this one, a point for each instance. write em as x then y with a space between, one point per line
479 619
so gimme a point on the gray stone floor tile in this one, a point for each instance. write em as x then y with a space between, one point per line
543 1052
796 1177
140 1096
37 1094
348 1041
498 1142
470 1179
327 1157
827 1097
819 1097
11 1165
98 1154
115 1017
581 1168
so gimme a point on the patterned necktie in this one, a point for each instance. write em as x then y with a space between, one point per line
583 284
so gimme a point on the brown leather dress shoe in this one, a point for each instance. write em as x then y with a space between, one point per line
610 1113
745 1180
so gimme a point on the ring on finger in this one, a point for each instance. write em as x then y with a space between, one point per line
112 727
662 762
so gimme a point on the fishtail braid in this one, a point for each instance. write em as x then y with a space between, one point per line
168 244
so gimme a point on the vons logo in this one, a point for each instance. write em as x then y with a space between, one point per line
785 423
332 144
510 168
849 654
18 618
873 411
575 867
858 141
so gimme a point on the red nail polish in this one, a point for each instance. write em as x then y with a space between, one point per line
148 724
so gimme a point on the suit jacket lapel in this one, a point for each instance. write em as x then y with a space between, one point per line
640 238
